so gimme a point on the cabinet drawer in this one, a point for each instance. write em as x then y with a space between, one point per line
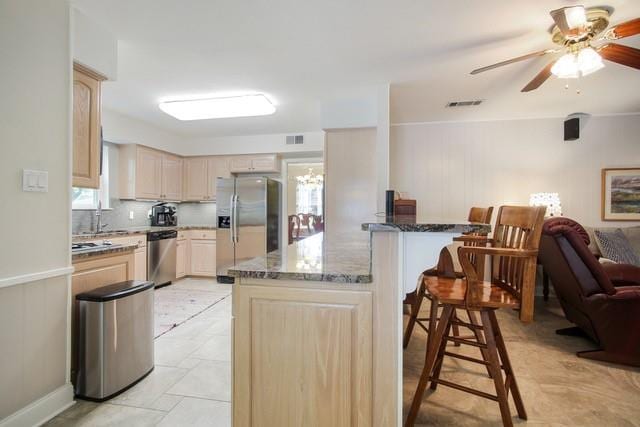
182 235
202 234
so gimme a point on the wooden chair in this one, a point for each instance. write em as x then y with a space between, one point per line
445 267
318 223
513 271
305 221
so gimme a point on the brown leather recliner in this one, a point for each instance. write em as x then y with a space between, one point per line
602 300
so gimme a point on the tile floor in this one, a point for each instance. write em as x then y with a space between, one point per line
191 382
558 388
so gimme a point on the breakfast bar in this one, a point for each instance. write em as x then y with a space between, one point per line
317 325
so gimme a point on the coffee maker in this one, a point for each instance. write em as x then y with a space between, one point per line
163 215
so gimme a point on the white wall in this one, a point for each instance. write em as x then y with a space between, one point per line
271 143
449 167
94 46
35 108
122 129
350 179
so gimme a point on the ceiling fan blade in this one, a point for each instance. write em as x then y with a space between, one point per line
624 55
626 29
539 79
511 61
570 20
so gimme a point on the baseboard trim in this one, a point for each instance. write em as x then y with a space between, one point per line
32 277
42 410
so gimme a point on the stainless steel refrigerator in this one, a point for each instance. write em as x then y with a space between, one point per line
248 219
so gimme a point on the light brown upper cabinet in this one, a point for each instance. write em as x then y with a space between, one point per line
150 174
267 163
86 127
200 176
171 177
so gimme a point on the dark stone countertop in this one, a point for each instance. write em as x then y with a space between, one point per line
83 254
136 230
409 223
344 259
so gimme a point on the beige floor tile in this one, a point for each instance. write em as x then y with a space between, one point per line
146 392
166 402
218 347
209 380
192 412
170 351
108 415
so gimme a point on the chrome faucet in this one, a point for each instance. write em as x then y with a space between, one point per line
99 224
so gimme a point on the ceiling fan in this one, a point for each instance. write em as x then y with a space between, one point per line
575 29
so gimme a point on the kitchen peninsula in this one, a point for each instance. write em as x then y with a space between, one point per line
317 326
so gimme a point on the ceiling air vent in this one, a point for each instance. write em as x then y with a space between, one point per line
294 139
464 103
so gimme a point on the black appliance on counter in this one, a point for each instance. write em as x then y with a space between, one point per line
163 215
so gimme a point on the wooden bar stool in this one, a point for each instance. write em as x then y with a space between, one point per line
446 268
513 270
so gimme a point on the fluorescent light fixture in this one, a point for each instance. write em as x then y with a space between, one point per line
218 108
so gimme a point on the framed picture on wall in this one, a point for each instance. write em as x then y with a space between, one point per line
621 194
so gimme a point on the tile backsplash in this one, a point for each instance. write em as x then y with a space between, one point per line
118 216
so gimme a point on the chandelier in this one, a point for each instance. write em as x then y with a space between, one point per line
311 179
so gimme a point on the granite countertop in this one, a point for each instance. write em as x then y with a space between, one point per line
344 259
82 254
411 223
137 230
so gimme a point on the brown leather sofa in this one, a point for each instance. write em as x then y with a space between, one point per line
603 301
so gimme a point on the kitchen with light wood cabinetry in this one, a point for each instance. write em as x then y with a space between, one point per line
86 127
149 174
265 163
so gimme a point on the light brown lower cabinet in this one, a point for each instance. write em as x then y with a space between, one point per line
203 257
302 357
181 258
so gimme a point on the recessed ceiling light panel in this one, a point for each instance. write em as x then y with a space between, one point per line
218 108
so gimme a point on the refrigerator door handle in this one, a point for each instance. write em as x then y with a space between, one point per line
232 219
236 219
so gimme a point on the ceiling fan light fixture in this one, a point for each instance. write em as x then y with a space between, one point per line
566 67
589 61
575 17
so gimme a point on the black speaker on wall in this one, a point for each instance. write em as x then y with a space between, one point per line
572 129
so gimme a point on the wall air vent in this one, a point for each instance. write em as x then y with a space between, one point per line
471 103
295 139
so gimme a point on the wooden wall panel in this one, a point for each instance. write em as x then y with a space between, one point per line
449 167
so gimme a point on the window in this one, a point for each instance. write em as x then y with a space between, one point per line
87 198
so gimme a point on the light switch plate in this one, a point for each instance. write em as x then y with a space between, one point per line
33 180
130 214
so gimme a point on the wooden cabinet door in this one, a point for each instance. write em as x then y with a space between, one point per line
267 163
181 259
195 178
217 167
148 174
140 263
203 257
86 130
240 164
171 177
301 357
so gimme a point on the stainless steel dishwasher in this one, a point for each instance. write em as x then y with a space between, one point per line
161 257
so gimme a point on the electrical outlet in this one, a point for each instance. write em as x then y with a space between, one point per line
130 214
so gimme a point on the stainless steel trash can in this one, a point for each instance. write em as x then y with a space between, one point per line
115 338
